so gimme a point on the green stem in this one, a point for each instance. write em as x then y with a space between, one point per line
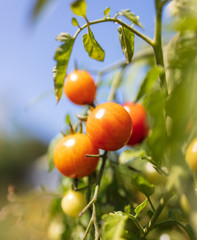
137 224
88 227
115 20
170 221
157 42
150 202
95 223
157 212
97 185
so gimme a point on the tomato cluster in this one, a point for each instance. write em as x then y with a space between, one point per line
109 127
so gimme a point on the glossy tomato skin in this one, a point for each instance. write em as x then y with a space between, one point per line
73 203
70 156
80 87
109 126
139 120
191 155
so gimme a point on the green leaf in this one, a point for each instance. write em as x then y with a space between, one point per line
62 57
113 227
140 207
130 155
50 151
68 120
92 47
132 17
142 185
107 11
79 8
38 7
127 209
75 22
151 76
127 42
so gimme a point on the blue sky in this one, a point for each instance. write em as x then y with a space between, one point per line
27 52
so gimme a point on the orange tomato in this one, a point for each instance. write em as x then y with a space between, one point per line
70 156
80 87
139 120
109 126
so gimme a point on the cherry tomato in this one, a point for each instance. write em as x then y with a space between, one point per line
139 120
70 156
191 155
109 126
80 87
152 175
73 203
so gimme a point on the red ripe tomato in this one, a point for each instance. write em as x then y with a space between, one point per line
80 87
70 156
109 126
139 120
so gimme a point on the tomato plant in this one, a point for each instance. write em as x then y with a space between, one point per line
191 155
139 119
109 126
79 87
142 191
70 156
72 203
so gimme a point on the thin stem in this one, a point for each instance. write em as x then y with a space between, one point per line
142 36
142 54
150 202
137 224
97 185
157 212
95 223
88 227
157 42
171 221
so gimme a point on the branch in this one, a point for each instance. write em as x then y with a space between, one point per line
115 20
97 185
158 211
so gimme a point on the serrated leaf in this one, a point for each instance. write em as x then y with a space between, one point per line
79 8
113 227
107 11
92 47
127 42
62 56
142 185
130 155
132 17
50 151
75 22
140 207
151 76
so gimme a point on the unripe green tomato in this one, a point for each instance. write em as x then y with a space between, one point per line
191 155
73 203
55 230
152 175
